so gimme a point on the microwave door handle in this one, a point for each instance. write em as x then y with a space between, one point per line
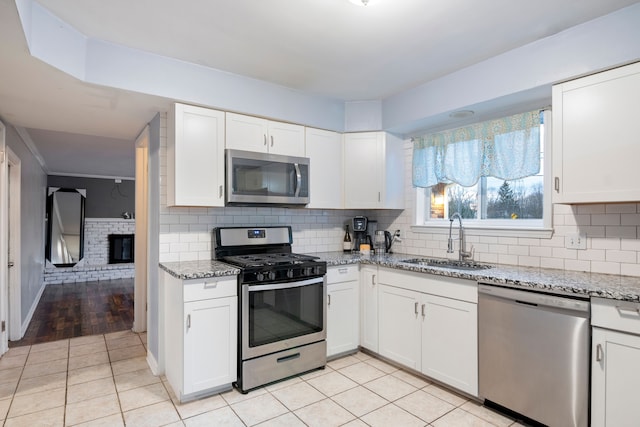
298 179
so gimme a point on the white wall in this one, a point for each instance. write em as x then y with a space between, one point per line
32 233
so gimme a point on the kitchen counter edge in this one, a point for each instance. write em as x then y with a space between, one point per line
563 282
204 269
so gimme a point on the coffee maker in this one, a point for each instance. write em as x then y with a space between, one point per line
360 235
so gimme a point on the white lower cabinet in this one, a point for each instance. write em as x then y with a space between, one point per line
429 323
201 317
615 366
342 310
400 326
369 307
450 342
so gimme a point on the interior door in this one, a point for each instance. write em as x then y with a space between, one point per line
4 241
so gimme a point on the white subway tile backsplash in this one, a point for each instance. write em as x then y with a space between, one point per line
605 267
623 208
621 256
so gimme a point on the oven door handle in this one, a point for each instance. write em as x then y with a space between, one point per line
287 285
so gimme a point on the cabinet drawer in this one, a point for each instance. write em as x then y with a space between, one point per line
444 286
614 314
342 273
199 289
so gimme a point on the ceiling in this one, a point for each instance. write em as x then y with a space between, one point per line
328 48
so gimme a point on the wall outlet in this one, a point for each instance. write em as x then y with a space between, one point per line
576 241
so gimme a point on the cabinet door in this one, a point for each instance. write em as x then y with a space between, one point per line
342 317
363 170
247 133
286 139
195 157
399 334
615 378
450 342
210 343
369 308
596 146
324 150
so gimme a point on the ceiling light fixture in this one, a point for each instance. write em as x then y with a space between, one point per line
362 2
461 114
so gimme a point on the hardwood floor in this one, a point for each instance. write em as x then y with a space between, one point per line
80 309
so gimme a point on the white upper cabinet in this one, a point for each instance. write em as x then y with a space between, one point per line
596 145
374 171
195 156
261 135
324 149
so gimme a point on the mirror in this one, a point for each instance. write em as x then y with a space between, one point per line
65 226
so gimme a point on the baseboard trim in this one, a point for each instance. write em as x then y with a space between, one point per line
153 364
32 310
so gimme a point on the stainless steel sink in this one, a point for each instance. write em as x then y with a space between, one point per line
447 263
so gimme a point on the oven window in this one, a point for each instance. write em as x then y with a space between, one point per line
276 315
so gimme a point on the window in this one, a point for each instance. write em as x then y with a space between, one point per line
492 202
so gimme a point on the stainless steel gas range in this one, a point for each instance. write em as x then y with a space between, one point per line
282 304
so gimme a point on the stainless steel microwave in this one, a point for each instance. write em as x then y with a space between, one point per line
266 179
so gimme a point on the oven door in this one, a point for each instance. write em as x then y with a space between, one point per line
279 316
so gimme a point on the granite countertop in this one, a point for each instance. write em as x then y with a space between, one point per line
555 281
610 286
198 269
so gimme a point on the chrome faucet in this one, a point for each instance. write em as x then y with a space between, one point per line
462 253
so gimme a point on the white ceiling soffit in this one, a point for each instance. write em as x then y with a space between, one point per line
85 155
329 47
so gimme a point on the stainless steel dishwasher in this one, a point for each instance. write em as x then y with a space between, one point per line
534 354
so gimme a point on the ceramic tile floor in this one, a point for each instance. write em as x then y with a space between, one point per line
104 380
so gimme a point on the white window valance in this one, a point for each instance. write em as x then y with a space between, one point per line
507 148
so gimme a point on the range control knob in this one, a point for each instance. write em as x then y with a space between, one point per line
307 271
259 277
271 275
316 270
290 273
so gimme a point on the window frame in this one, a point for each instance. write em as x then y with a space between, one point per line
532 228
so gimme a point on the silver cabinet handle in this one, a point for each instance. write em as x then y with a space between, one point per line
415 307
272 140
557 184
373 279
379 196
265 139
343 270
328 299
423 310
220 192
599 353
11 264
632 309
188 321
